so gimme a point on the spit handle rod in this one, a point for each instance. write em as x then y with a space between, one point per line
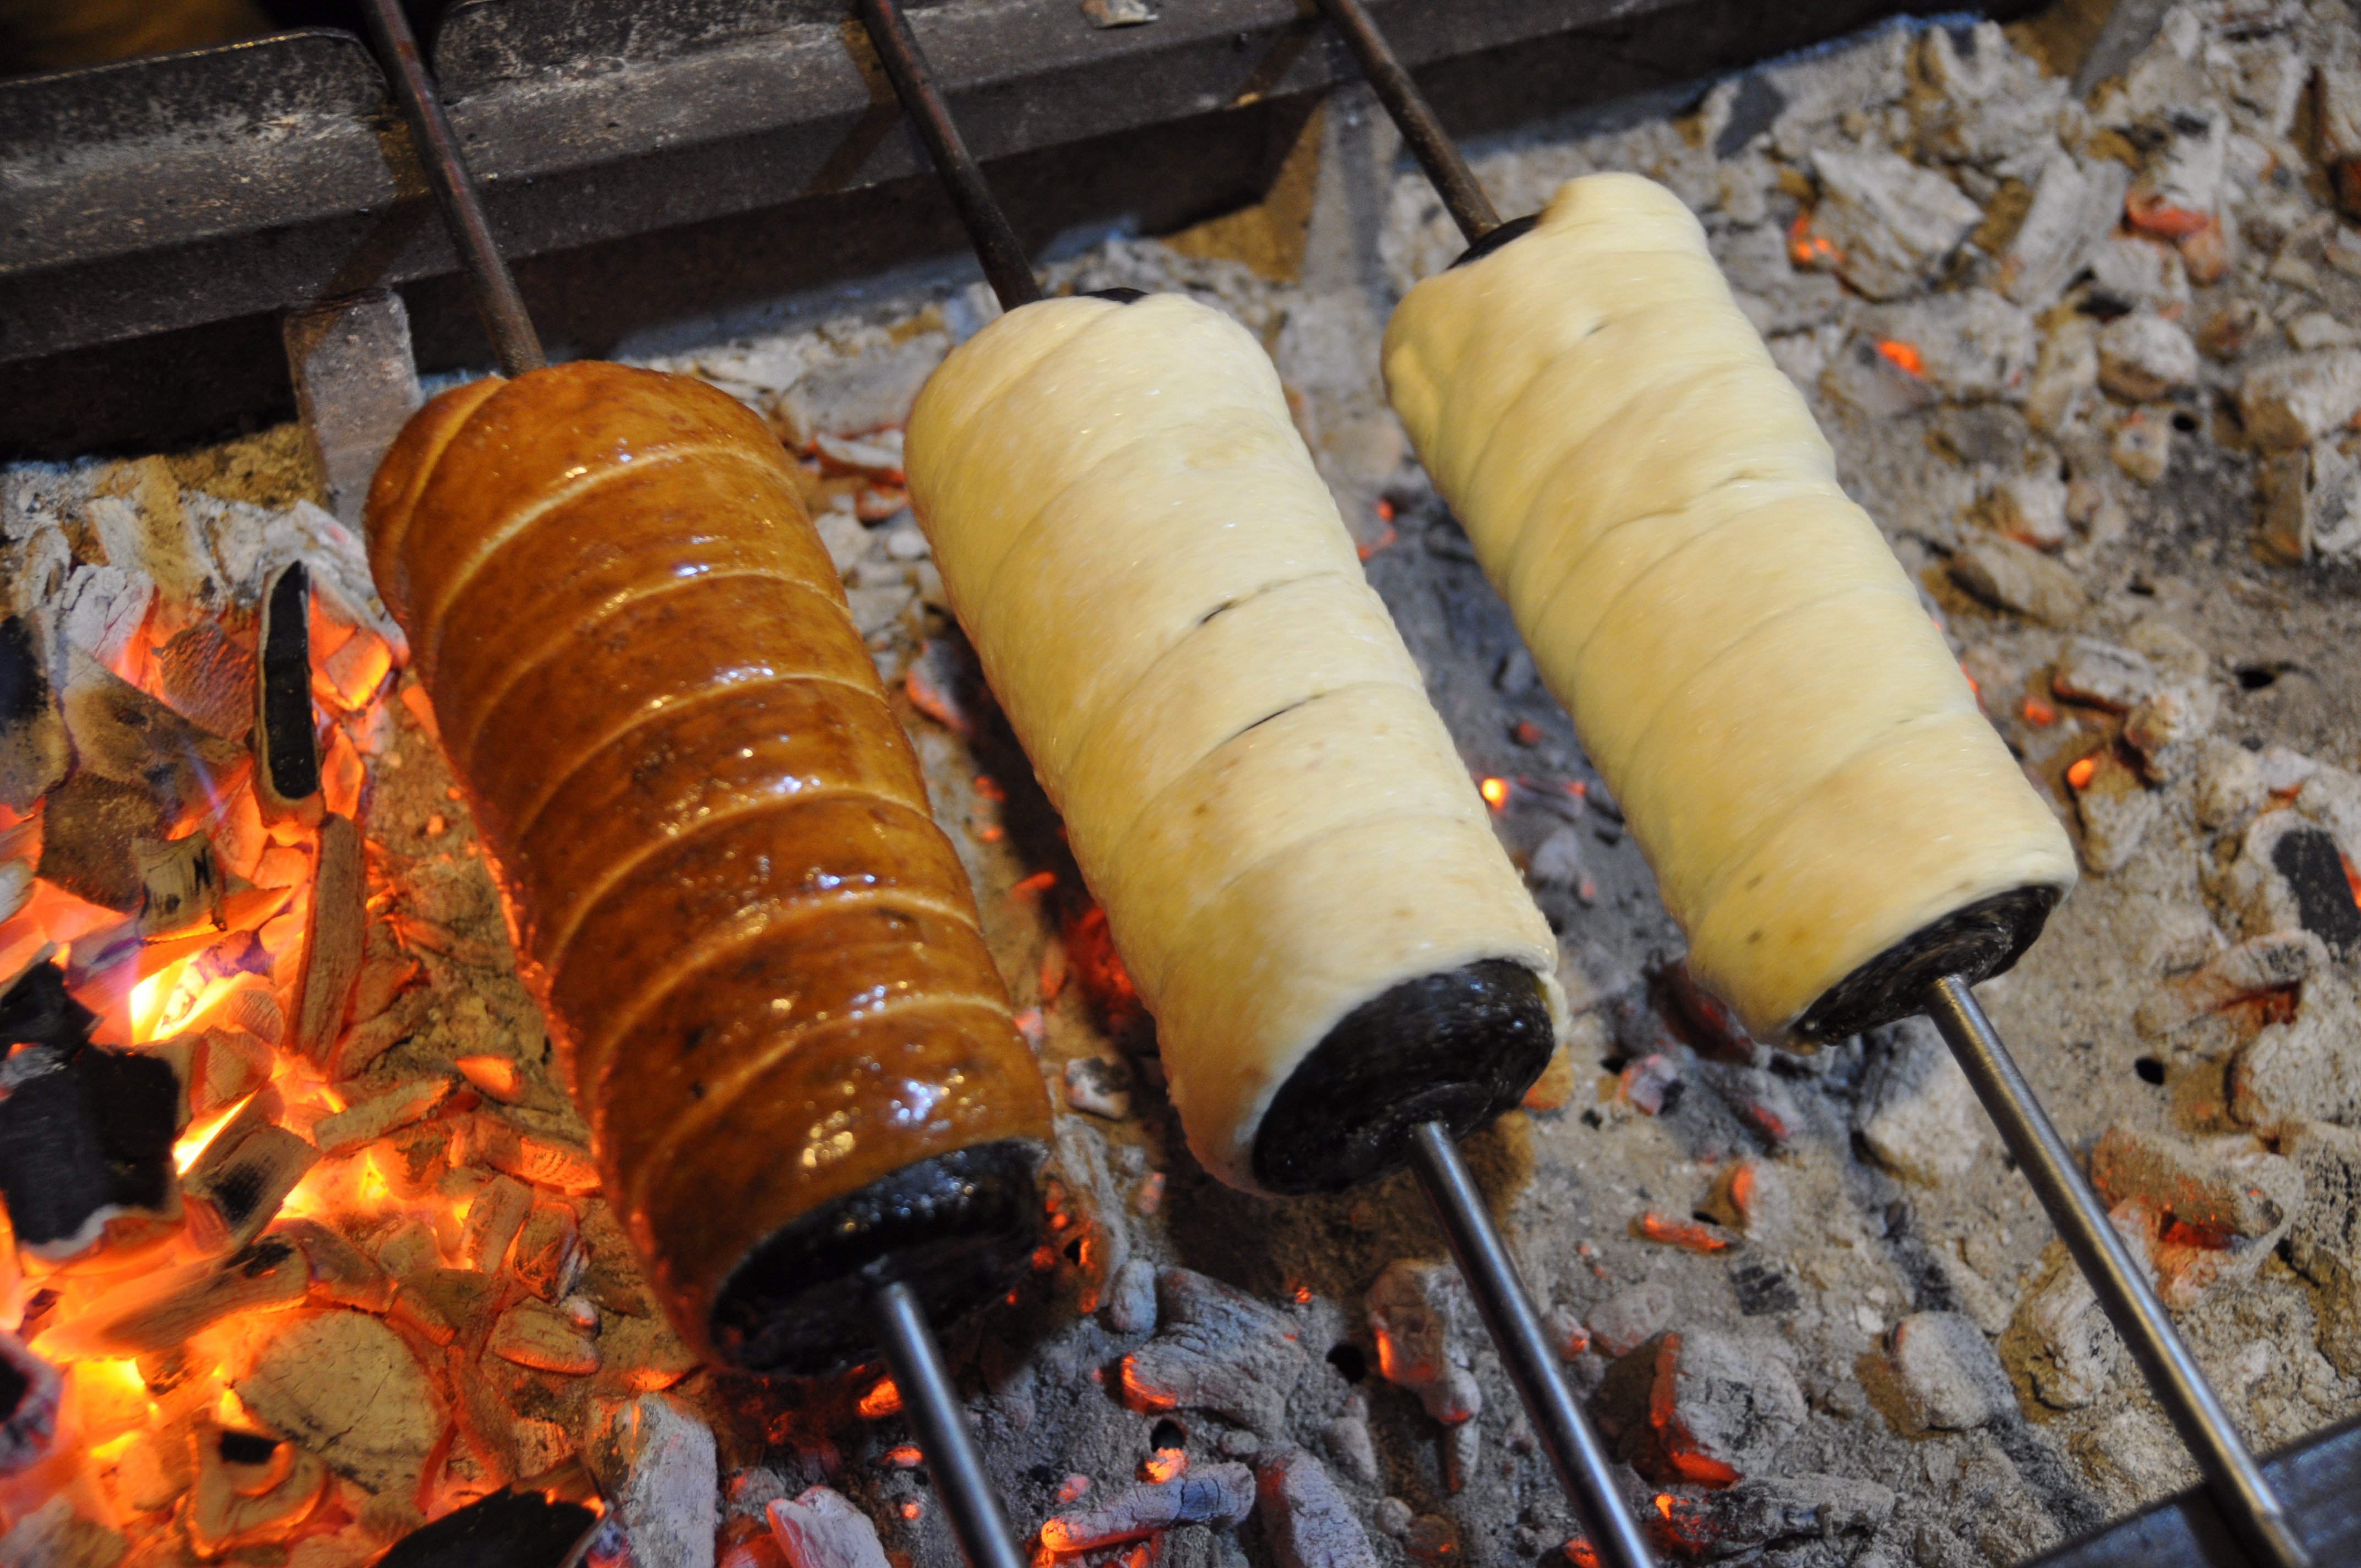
934 1413
514 342
996 245
1429 142
2249 1507
1583 1467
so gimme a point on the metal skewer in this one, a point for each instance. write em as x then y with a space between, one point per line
915 1360
514 342
1501 1296
2247 1503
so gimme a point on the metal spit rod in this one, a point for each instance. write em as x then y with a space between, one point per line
514 342
2248 1504
2244 1497
900 1321
1501 1295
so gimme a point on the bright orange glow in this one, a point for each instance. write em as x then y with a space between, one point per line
495 1076
911 1509
1495 792
1664 1504
905 1457
1686 1235
883 1399
2080 774
2352 878
149 997
1903 355
1038 883
192 1142
1805 248
1165 1465
2039 714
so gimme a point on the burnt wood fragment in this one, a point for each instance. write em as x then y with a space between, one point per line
506 1530
88 828
38 1011
2308 859
85 1136
33 751
286 745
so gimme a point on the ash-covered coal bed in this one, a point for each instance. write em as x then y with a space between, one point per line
2091 363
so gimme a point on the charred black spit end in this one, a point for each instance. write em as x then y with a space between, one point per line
1457 1047
959 1229
1514 229
1974 943
1120 296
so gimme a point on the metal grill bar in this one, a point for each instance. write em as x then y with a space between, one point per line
934 1413
996 245
1575 1451
2244 1497
514 342
1429 142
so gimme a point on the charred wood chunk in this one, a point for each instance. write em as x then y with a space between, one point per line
2308 859
33 751
31 1391
506 1530
286 747
1458 1048
120 732
85 1134
38 1011
88 830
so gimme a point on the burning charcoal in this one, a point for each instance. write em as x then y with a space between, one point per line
31 1391
2310 505
1099 1086
2116 809
1632 1317
2074 204
496 1078
183 884
38 1011
286 744
656 1462
2165 729
1216 1349
820 1528
859 394
2290 876
1652 1085
1970 346
2252 969
2099 675
216 1068
505 1530
1728 1523
1763 1290
236 1185
444 1304
642 1353
2066 1347
2230 1190
209 679
55 1536
2293 401
1698 1407
1917 1115
366 1121
2308 1067
337 1269
1946 1373
1878 379
2017 577
1307 1520
2029 507
1349 1443
545 1162
164 1309
2323 1241
534 1334
122 734
1220 1496
494 1217
88 828
346 1388
548 1249
1751 1195
86 1147
34 751
481 1415
1893 224
1420 1313
333 934
1758 1099
1131 1298
250 1490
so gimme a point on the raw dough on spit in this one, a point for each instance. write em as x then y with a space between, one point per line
1254 783
1747 663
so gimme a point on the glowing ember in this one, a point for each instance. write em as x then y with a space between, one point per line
882 1400
1495 792
1903 356
1806 249
1164 1464
1689 1236
2082 771
2039 712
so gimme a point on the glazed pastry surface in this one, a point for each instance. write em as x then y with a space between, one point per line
1746 663
757 954
1171 613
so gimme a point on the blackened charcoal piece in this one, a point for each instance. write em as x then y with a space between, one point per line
1762 1288
1974 943
29 1391
38 1011
506 1530
85 1133
2307 858
957 1228
1458 1048
286 752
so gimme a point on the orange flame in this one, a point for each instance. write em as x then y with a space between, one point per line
882 1400
1495 792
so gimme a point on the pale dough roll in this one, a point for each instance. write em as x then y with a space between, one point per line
1254 782
1747 665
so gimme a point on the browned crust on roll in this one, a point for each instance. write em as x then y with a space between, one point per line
759 954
